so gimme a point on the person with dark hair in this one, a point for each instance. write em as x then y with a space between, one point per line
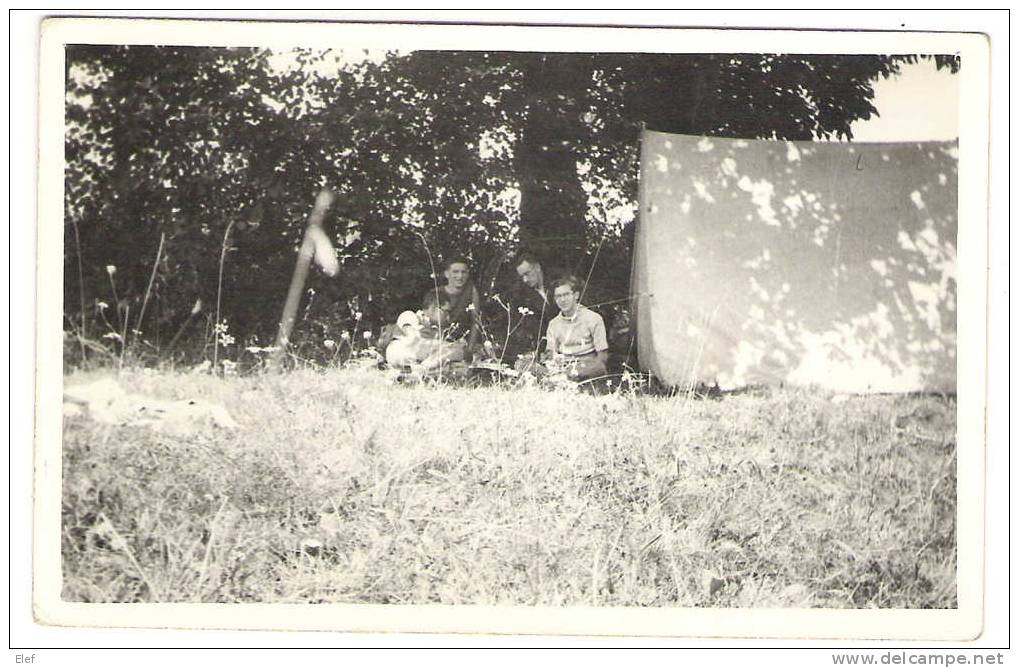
452 309
576 337
529 308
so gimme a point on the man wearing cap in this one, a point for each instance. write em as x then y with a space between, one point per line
413 348
403 349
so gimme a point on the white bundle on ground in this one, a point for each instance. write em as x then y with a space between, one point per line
109 403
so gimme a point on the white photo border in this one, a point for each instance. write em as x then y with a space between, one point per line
960 624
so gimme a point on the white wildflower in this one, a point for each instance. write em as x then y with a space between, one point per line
267 349
110 269
367 335
329 343
197 307
357 315
112 335
345 336
102 306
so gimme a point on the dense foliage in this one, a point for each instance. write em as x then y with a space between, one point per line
220 153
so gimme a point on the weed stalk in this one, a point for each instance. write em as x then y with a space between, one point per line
219 295
152 280
81 288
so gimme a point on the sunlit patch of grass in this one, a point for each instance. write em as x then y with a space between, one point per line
342 487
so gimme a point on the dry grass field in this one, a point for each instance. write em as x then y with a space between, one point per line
341 486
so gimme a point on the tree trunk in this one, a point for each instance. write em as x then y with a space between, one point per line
553 207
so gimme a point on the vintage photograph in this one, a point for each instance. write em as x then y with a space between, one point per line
525 327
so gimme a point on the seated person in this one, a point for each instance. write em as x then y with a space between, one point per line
454 306
529 310
407 346
575 338
418 348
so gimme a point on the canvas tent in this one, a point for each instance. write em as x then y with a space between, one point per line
803 263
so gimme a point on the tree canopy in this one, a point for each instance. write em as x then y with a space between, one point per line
430 153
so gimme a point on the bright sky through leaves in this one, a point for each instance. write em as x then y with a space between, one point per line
921 104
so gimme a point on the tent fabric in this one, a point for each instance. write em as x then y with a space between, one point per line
819 264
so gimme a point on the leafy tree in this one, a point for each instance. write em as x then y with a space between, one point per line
164 140
430 154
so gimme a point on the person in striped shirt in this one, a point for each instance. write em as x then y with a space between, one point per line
576 337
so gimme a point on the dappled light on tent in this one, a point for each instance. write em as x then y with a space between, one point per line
768 262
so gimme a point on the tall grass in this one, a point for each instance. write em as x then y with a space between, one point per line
343 487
